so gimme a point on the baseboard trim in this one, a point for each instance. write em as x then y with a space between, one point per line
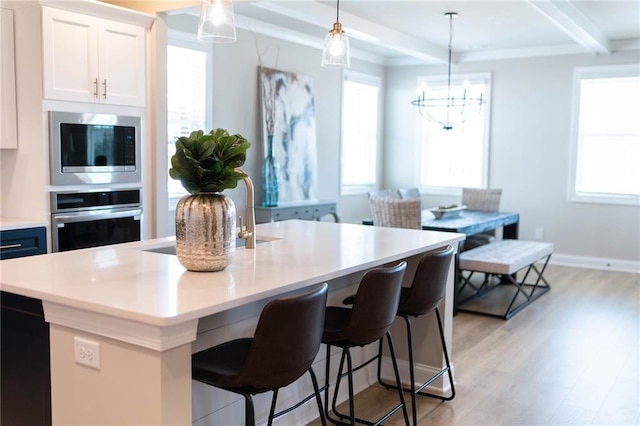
441 386
595 263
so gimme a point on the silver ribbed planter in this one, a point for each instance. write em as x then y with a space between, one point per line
205 231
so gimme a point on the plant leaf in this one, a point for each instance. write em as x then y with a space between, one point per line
208 162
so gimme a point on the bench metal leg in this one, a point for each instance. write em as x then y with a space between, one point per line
536 289
478 291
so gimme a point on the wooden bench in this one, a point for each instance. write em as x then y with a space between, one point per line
503 258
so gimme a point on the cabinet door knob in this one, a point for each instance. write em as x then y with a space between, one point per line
95 88
104 84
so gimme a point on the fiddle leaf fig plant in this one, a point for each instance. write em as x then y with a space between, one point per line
209 162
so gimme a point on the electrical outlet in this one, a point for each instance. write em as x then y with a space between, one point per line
86 352
539 234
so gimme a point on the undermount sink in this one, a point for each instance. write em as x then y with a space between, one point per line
172 248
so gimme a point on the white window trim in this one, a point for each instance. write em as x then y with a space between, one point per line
605 71
372 80
454 191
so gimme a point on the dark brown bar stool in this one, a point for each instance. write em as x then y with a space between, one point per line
283 347
367 321
425 294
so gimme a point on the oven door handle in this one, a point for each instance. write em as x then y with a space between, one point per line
61 219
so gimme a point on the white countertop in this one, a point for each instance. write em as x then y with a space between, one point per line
13 223
125 281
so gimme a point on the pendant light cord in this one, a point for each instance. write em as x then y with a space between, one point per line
337 10
449 100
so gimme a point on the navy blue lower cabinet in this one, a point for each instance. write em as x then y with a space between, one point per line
25 385
25 376
23 242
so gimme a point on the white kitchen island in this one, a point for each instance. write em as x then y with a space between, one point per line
148 314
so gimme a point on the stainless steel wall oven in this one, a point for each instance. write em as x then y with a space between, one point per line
95 218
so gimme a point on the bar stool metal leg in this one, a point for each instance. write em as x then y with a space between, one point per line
249 415
418 390
273 407
346 354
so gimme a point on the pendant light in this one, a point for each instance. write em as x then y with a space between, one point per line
335 52
217 22
450 110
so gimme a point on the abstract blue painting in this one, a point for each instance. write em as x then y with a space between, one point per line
289 129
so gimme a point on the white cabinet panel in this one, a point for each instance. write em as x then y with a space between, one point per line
70 56
8 117
89 59
122 63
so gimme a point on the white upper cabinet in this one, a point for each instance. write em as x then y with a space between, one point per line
8 118
89 59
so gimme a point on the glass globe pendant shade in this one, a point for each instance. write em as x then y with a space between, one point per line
335 52
217 22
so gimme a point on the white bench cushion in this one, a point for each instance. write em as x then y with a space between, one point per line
504 256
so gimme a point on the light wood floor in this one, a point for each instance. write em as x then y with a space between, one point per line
571 357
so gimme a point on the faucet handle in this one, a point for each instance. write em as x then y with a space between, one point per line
243 232
240 227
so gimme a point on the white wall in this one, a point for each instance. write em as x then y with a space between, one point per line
529 153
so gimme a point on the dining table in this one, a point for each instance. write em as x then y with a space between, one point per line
470 222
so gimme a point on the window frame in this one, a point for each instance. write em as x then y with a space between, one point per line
371 80
593 72
486 78
189 41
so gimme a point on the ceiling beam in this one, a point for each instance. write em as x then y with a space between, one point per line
572 21
318 14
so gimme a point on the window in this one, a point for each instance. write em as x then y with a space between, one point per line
188 100
606 139
451 159
359 148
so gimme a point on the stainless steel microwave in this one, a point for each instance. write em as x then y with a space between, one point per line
94 148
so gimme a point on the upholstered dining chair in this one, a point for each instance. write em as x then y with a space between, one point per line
487 200
409 193
283 348
395 213
381 193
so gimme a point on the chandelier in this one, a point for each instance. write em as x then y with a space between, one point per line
335 52
217 22
452 109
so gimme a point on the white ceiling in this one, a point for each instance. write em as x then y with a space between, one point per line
397 32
